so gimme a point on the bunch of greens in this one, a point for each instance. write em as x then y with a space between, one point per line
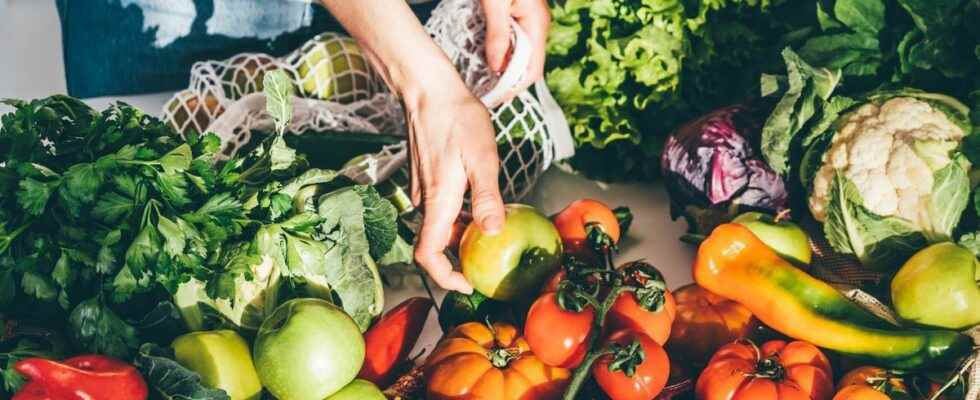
627 73
107 216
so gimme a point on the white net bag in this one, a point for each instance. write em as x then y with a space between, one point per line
342 94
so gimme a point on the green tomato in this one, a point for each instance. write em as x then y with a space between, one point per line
782 236
359 389
513 263
938 287
223 360
308 349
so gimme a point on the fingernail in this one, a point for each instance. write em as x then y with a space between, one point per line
491 225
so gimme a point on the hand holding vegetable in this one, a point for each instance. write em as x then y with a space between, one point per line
451 138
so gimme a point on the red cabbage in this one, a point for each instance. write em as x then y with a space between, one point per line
713 170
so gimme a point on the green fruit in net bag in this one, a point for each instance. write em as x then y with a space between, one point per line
334 68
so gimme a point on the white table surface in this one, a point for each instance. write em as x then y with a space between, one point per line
31 66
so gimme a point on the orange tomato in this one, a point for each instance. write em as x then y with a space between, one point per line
705 322
558 337
573 220
776 371
869 383
649 378
476 362
627 313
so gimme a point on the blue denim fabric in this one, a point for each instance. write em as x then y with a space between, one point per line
119 47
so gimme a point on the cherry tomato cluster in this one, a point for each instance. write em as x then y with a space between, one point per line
605 322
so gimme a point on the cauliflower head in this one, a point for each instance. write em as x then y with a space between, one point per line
890 152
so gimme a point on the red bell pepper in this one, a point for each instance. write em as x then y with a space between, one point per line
89 377
389 342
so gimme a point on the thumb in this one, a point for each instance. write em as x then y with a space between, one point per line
488 205
497 14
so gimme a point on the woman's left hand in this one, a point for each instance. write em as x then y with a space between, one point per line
534 18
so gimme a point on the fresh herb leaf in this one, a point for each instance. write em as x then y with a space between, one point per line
95 328
864 16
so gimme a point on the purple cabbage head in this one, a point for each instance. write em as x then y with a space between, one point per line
713 170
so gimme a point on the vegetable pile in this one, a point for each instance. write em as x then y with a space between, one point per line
628 73
119 232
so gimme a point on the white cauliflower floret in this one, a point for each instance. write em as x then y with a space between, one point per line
889 152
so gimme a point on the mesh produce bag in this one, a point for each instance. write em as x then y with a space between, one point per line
342 94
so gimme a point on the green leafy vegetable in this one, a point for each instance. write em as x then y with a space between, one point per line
356 282
98 329
123 232
171 380
278 89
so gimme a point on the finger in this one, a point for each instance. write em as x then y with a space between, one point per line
488 205
442 205
535 21
498 33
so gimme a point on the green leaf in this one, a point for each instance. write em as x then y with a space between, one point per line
222 206
38 286
106 260
171 380
281 155
278 89
826 21
111 207
174 238
62 273
883 243
177 160
142 253
865 16
357 282
808 88
380 220
173 187
34 194
949 198
95 328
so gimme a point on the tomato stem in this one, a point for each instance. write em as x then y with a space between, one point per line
595 341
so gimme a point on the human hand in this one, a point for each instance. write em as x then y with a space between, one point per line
534 17
452 145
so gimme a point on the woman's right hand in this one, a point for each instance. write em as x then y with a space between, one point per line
451 138
452 146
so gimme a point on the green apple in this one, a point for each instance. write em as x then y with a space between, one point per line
938 287
782 236
334 68
359 389
308 349
223 360
514 262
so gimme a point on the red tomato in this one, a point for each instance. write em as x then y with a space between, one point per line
649 378
627 313
572 221
559 338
